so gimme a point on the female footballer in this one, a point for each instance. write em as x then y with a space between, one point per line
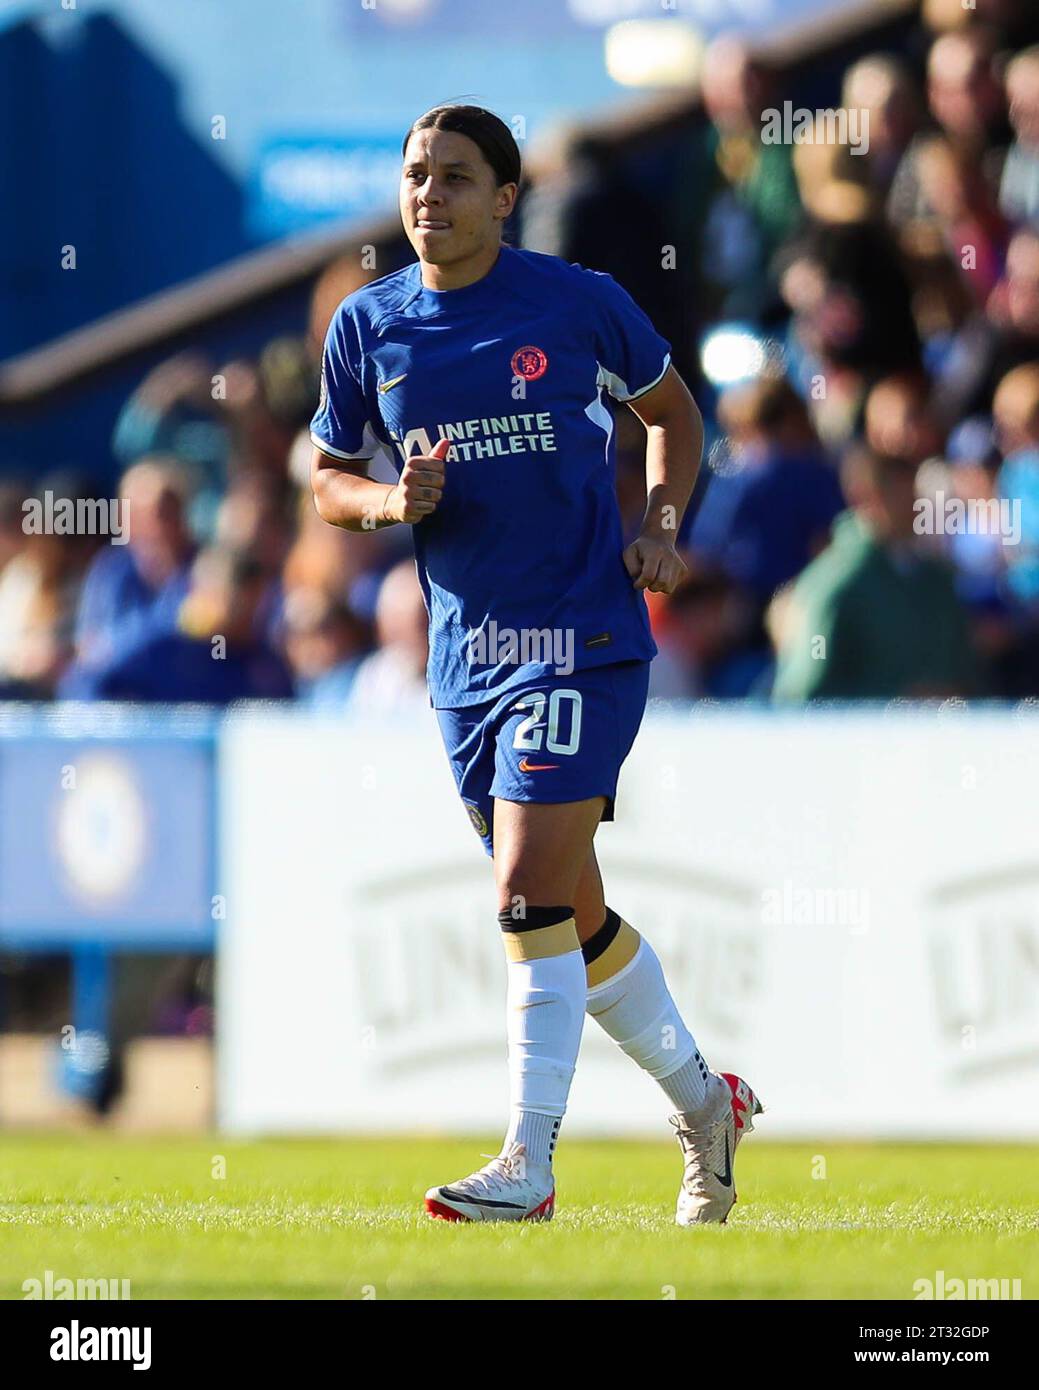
480 369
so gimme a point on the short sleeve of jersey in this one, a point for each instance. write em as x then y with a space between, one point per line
340 425
632 355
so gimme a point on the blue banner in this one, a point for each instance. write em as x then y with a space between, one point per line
108 840
298 181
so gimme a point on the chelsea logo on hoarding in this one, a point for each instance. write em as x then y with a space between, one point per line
101 829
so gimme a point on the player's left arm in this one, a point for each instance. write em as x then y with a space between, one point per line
674 444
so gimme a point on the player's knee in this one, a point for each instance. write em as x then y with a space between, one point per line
527 878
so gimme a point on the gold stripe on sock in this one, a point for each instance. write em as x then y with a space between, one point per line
542 941
619 953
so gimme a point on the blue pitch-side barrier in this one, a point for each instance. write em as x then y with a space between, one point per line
107 843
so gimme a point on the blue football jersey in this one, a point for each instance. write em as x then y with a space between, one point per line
524 548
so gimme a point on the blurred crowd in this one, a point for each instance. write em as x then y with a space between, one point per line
225 583
866 524
867 355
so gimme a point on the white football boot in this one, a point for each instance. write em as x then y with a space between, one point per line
708 1139
506 1189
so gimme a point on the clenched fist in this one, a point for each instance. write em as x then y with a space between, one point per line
419 488
654 564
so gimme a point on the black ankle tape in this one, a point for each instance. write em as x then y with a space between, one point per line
595 945
533 918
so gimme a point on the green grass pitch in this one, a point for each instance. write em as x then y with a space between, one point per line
342 1219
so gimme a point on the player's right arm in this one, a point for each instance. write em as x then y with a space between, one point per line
345 496
344 442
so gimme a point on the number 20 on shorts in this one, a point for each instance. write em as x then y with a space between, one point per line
529 731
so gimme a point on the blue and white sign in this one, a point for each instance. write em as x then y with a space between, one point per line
302 180
107 840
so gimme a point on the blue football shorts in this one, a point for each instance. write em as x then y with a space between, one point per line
561 738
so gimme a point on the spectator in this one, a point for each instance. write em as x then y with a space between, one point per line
736 194
39 592
324 643
979 557
964 209
872 617
1019 188
701 631
392 679
883 87
127 583
1002 630
987 346
764 521
899 420
252 518
965 97
833 185
1013 310
852 318
942 300
206 651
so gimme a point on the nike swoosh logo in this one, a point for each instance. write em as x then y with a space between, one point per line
535 767
389 385
726 1178
453 1196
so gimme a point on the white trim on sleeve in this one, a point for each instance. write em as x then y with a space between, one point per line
326 448
655 382
371 445
618 388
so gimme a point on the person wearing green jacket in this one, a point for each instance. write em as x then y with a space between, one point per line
874 616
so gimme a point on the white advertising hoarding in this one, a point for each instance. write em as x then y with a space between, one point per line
846 906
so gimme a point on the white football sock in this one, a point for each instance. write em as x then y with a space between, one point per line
635 1008
546 1005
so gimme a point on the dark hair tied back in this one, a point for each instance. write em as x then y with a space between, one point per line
484 128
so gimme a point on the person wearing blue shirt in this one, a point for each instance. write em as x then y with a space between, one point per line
770 514
205 650
481 372
146 576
